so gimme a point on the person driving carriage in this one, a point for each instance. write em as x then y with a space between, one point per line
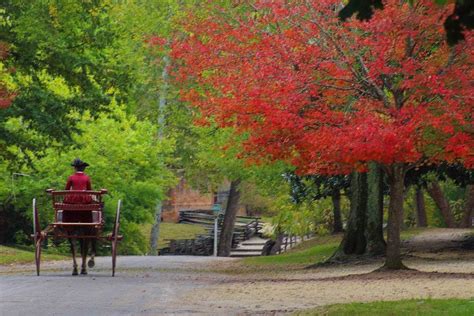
79 181
78 217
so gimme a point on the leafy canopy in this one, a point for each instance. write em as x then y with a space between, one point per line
331 97
132 168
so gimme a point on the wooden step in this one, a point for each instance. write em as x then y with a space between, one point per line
254 243
244 249
246 254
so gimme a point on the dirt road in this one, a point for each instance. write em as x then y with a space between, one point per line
190 285
142 285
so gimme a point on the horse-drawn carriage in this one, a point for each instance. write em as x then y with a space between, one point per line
69 202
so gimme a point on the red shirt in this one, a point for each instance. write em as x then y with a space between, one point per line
80 182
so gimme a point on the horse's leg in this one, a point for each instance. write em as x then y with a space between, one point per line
84 246
73 252
91 262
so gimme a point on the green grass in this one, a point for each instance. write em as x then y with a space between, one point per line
173 231
266 219
417 307
13 255
309 252
306 253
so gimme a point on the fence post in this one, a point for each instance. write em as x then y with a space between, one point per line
215 236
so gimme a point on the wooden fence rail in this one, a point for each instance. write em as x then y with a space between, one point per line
245 227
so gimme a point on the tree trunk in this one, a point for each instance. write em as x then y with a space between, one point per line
395 211
468 214
436 193
278 242
421 220
225 240
374 231
354 241
155 231
336 202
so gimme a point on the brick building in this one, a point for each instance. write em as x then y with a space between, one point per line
183 197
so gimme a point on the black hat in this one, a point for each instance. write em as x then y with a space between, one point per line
79 163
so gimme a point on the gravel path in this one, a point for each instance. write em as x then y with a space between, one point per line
329 286
441 239
187 285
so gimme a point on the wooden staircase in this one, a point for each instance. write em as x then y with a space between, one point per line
254 246
246 241
249 248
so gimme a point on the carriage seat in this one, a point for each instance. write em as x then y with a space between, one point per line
77 201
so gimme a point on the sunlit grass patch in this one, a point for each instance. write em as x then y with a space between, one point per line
307 253
418 307
13 255
173 231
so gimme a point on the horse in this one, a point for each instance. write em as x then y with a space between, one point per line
83 235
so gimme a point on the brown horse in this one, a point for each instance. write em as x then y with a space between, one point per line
84 248
83 235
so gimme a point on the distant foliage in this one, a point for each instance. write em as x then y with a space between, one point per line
125 158
6 93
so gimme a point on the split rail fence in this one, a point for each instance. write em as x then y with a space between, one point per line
203 245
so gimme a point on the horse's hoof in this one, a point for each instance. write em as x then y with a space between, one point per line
91 263
83 271
74 272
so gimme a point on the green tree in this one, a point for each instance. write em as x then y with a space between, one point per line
61 52
124 158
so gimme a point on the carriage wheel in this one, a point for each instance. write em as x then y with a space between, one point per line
115 235
37 237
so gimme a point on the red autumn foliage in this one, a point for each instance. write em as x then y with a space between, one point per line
6 97
331 96
155 41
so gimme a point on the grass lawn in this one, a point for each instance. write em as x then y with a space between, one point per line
173 231
12 255
306 253
405 307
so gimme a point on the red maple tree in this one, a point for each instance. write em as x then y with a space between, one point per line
331 97
6 96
